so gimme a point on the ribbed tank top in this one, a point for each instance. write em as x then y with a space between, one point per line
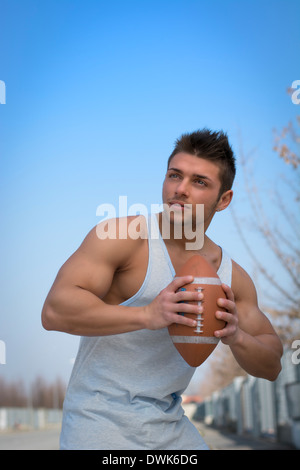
125 390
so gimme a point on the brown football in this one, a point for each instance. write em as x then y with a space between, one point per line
196 344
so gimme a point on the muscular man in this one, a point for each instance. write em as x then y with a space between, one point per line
120 295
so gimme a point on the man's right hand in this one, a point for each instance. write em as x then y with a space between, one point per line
164 309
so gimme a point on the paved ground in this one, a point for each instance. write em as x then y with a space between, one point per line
30 440
217 440
223 440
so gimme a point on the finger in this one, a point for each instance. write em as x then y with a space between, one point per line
179 282
227 331
228 292
227 304
183 320
187 307
188 296
225 316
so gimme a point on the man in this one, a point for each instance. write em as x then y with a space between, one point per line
120 295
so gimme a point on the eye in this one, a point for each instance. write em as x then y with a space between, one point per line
200 182
173 175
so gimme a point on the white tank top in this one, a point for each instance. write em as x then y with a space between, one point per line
125 390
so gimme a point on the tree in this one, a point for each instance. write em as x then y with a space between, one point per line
12 394
282 240
222 369
41 395
45 395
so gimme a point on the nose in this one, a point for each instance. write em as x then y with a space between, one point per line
182 189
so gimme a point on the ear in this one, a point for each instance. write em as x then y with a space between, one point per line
224 200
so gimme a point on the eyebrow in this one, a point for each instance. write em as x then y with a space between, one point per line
198 176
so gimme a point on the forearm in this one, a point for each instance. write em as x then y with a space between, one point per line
258 355
74 310
79 312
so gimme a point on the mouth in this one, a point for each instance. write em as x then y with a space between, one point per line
177 205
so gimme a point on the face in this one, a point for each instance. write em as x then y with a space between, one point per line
192 180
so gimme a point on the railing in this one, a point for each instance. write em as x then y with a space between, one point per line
28 418
257 406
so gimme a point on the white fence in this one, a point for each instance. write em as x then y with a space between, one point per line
28 418
258 407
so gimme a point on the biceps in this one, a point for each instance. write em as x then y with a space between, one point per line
81 272
90 267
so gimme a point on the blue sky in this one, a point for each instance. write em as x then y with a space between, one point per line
96 94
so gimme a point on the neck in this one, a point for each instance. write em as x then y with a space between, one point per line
184 238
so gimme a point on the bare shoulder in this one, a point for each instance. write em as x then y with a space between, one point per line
109 247
115 239
242 285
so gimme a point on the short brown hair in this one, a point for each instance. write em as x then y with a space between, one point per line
213 146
